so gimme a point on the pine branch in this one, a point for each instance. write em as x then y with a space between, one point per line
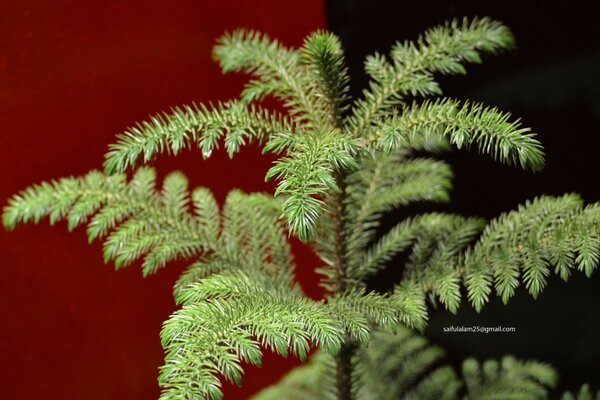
225 320
199 126
405 366
423 228
393 364
160 227
441 384
322 53
314 381
279 73
584 393
261 310
526 242
384 182
409 300
521 244
464 125
250 236
362 310
124 210
307 174
398 183
431 264
441 50
510 379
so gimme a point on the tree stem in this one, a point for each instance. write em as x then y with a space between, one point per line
339 240
344 358
344 371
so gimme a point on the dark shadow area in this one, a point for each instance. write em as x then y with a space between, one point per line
551 82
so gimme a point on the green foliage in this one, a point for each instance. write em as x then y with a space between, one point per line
313 381
464 125
248 236
307 174
225 319
324 57
121 211
393 364
342 165
443 50
508 379
404 366
279 72
548 231
584 394
195 125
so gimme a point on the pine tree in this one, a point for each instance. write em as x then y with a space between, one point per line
342 164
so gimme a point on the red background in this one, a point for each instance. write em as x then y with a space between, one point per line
72 75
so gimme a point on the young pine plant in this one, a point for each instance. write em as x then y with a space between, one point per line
342 164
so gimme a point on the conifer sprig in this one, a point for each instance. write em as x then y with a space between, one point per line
307 175
225 322
443 49
196 125
278 72
226 318
527 242
464 125
322 53
122 211
584 393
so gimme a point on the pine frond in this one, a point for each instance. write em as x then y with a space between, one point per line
360 311
278 71
584 393
196 125
322 53
527 242
393 364
207 212
409 300
468 125
252 231
157 227
435 254
140 222
441 384
440 50
424 229
252 309
313 381
307 175
225 320
250 236
384 182
509 379
237 283
406 182
201 269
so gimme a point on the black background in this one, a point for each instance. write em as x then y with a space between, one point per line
551 82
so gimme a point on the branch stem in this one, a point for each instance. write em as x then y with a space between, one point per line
339 240
344 358
344 371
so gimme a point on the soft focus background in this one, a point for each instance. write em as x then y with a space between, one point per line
75 73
